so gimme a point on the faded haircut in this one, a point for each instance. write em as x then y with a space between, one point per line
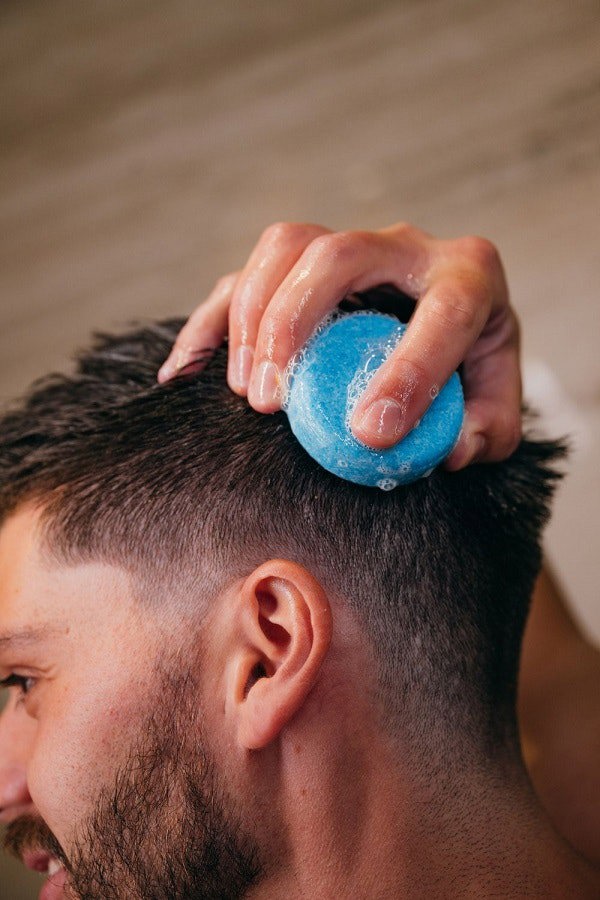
185 484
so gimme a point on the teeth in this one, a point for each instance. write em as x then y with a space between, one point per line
54 866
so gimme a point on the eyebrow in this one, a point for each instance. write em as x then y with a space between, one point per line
25 637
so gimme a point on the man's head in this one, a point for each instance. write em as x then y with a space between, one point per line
211 591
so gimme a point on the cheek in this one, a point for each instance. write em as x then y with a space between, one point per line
17 735
76 753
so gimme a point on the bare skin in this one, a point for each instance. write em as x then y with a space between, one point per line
272 731
559 713
289 743
299 272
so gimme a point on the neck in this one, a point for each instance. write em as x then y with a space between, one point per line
386 834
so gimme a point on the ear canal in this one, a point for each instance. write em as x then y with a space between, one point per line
259 671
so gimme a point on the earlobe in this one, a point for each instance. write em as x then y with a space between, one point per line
284 632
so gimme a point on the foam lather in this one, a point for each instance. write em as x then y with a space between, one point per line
324 383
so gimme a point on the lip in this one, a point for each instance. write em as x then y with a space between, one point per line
36 859
53 887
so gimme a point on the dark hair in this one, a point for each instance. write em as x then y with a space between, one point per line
186 478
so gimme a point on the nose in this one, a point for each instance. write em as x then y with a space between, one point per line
16 735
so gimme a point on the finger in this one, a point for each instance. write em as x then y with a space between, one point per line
205 328
493 394
277 250
331 267
446 323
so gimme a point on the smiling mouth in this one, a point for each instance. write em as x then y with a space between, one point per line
39 861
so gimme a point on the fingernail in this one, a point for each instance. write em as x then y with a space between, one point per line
383 418
241 366
176 361
171 367
266 382
166 371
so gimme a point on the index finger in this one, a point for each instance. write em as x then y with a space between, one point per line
331 267
460 318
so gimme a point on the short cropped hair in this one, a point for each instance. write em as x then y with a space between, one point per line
185 482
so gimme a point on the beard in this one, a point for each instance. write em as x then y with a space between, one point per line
166 829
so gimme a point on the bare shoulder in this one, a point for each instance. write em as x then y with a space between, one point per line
559 715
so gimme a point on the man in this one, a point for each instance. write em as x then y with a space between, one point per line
247 677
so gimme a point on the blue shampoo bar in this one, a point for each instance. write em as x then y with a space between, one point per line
324 384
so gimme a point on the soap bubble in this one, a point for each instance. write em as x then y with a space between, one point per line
303 357
387 484
321 394
374 356
384 469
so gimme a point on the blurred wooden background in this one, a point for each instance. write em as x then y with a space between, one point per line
144 146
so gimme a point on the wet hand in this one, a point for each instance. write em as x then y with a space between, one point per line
298 273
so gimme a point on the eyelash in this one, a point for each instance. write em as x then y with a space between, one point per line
19 681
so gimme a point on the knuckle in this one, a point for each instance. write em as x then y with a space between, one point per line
482 252
226 281
280 233
455 311
320 246
401 378
338 246
412 370
401 230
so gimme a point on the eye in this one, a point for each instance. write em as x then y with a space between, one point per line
23 682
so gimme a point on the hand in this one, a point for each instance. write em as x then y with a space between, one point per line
298 273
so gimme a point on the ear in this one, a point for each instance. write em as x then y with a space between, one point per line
281 631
